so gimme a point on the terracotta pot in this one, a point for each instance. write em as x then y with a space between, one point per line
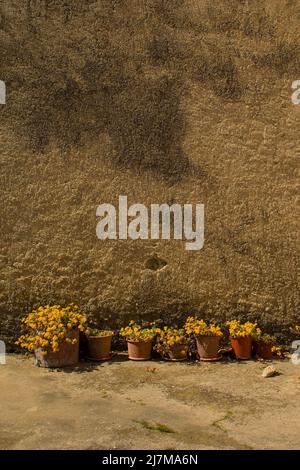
208 347
264 351
178 352
139 350
100 347
242 347
68 354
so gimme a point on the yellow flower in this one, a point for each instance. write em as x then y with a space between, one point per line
200 328
237 329
168 338
135 332
46 327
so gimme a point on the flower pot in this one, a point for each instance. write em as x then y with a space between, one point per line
99 347
68 354
208 347
139 350
264 350
242 347
178 352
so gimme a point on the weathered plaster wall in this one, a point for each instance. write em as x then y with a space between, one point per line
162 101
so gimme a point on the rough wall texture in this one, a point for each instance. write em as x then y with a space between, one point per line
162 101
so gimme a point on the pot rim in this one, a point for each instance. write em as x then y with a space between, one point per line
262 343
208 336
139 342
100 336
241 337
178 345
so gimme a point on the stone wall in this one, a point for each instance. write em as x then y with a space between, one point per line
162 101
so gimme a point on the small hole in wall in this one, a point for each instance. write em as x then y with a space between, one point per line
155 263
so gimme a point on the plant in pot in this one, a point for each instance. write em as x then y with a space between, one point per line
52 334
264 344
172 344
99 344
207 338
139 340
241 337
278 352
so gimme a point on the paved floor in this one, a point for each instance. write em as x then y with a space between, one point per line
159 405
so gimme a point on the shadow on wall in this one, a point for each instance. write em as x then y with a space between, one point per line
147 127
66 96
72 77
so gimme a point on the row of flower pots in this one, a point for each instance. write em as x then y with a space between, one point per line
52 334
246 340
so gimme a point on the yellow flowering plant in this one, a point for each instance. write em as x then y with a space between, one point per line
96 332
169 337
200 328
278 351
241 330
48 326
295 329
136 332
266 338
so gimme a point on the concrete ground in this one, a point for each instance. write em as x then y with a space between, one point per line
149 405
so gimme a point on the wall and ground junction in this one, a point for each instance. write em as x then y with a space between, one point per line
165 102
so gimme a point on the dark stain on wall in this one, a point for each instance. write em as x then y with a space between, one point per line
68 86
68 93
147 127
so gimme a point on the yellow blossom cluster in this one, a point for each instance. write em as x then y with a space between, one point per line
172 336
48 326
200 328
240 330
277 351
296 329
96 332
267 339
169 337
135 332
